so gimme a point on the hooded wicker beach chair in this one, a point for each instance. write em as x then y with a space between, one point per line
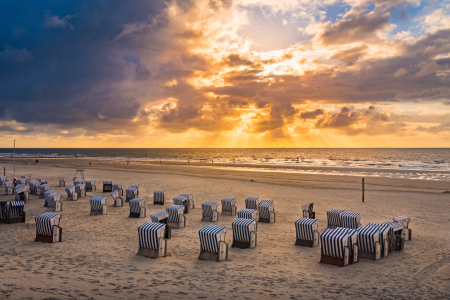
229 206
307 232
131 193
252 202
42 180
118 187
79 181
118 201
158 197
4 212
334 218
163 218
334 248
404 220
190 197
307 211
47 227
386 237
151 240
137 208
43 188
62 182
71 194
351 220
266 210
21 192
98 205
244 233
352 243
2 180
209 212
176 216
397 238
80 189
53 202
34 186
16 212
21 180
212 243
27 177
182 200
372 242
247 213
135 186
90 186
8 187
46 194
107 187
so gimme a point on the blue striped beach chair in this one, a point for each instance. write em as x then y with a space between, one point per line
252 202
16 212
62 181
47 227
34 186
386 240
118 201
307 211
369 242
334 247
351 220
8 187
352 243
137 208
397 238
79 181
46 194
118 187
334 218
21 180
244 233
90 186
107 186
26 176
190 197
41 180
228 206
80 189
131 193
43 188
70 190
176 216
158 197
212 243
404 220
53 202
21 192
151 240
135 186
209 212
163 218
307 232
182 200
98 205
247 213
266 210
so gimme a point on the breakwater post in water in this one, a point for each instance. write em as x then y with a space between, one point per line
363 190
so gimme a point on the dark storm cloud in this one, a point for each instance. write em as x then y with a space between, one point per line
312 114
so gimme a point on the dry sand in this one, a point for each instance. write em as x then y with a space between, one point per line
97 258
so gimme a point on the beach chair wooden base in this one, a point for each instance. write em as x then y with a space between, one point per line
56 237
158 203
21 219
118 202
230 213
340 262
155 253
56 208
271 220
214 218
213 256
93 189
99 212
168 232
354 258
246 245
107 188
3 221
82 194
142 214
177 225
304 243
372 256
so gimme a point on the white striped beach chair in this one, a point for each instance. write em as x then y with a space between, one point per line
386 238
137 208
307 211
247 213
98 205
34 187
182 200
404 220
21 181
26 176
46 194
53 202
209 212
244 233
158 197
118 201
351 220
4 212
41 180
212 243
47 228
334 218
334 248
130 193
107 187
79 181
71 194
2 180
252 202
176 216
228 206
151 240
62 181
43 188
135 186
21 192
266 210
352 243
16 212
307 232
369 242
8 187
163 218
397 238
190 197
118 187
80 189
90 186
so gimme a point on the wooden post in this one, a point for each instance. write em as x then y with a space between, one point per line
363 190
4 171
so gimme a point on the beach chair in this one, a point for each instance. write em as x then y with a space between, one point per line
307 231
2 180
334 248
79 181
53 202
4 212
352 243
135 186
16 212
27 177
212 243
43 188
47 228
62 182
190 197
107 187
34 187
371 244
130 193
404 220
386 237
71 194
163 218
21 192
397 238
137 208
182 200
176 216
244 233
252 202
41 180
22 181
351 220
209 212
8 187
49 192
266 210
118 187
90 186
228 206
158 197
98 205
334 218
151 240
118 201
307 211
80 189
247 213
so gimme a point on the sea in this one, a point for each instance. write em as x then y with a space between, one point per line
423 163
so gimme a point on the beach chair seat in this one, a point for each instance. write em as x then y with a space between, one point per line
107 187
176 216
158 197
80 189
307 211
212 243
334 218
90 186
266 209
62 182
244 233
229 206
118 187
130 193
209 212
334 248
252 202
21 192
182 200
43 188
190 197
4 212
151 240
71 194
350 220
53 202
118 201
34 186
98 205
137 208
163 218
47 228
307 232
404 220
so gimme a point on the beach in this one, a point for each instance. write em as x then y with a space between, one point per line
97 256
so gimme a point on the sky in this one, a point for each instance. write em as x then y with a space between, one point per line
225 73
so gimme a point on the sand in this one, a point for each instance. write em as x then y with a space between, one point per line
97 258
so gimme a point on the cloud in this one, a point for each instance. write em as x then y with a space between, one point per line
312 114
56 21
13 55
350 56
